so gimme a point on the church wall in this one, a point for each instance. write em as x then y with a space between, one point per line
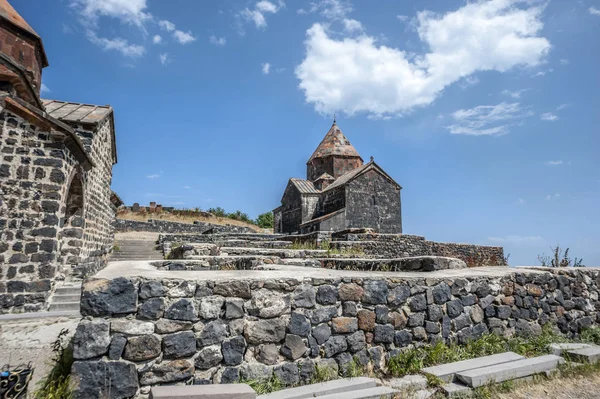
372 201
341 166
310 205
317 167
332 200
291 210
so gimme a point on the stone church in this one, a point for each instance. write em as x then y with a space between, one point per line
56 162
340 192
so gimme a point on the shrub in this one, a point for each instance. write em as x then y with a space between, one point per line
559 259
265 220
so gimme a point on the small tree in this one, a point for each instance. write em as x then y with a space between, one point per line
265 220
218 212
559 259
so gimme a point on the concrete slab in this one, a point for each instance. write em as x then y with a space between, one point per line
447 372
324 388
415 381
509 371
558 349
217 391
371 393
585 355
454 389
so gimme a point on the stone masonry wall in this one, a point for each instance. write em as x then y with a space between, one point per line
139 332
164 226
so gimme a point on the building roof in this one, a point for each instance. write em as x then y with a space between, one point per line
10 14
77 112
347 177
334 143
304 186
325 176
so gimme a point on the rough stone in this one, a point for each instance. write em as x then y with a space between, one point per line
267 354
350 292
344 325
269 304
92 339
212 333
265 331
366 320
151 309
178 345
304 296
233 350
293 347
108 297
418 303
327 295
211 307
233 288
356 342
152 289
166 326
167 372
299 325
349 309
322 315
117 345
131 327
234 308
334 345
209 356
287 373
321 333
454 308
383 334
375 292
144 347
95 379
183 309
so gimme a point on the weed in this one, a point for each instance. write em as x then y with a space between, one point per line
591 335
559 259
323 374
57 384
265 386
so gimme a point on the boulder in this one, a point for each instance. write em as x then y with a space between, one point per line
211 306
269 304
265 330
143 347
233 288
233 350
213 333
293 348
178 345
167 372
131 327
208 357
101 297
97 379
182 309
91 339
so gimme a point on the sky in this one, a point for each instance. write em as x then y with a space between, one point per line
485 112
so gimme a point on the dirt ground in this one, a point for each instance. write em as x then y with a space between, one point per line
581 387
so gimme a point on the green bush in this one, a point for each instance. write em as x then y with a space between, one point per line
265 220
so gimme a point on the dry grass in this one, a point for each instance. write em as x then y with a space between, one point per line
579 387
186 219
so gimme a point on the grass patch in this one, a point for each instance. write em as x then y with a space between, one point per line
323 374
266 386
57 384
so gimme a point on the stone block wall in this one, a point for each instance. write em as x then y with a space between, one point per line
165 226
139 332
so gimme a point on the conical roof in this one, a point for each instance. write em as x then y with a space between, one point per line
11 15
334 143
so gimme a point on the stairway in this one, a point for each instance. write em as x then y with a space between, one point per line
132 249
66 298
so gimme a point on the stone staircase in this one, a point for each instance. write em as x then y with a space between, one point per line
66 298
132 249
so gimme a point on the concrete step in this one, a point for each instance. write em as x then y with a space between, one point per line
324 388
63 306
216 391
66 298
370 393
584 355
456 389
67 291
447 372
509 371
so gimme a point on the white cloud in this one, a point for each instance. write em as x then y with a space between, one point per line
164 59
279 70
257 14
548 116
469 81
554 163
301 11
514 94
594 11
67 30
218 41
352 25
487 120
516 239
187 187
521 201
356 75
266 68
562 106
550 196
154 176
402 18
543 73
119 44
183 37
564 61
45 89
332 9
156 39
166 25
128 11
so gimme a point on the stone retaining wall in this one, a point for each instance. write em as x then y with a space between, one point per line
400 246
140 332
165 226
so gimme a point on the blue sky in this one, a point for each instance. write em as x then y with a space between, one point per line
486 112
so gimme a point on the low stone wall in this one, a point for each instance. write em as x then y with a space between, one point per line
401 246
165 226
140 332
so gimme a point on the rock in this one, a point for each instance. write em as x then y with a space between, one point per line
143 347
97 379
230 375
117 344
469 300
398 296
416 319
166 326
182 289
356 342
345 362
131 327
461 322
151 309
366 320
432 328
321 333
377 355
212 333
383 334
454 308
334 345
183 309
328 368
503 312
349 309
209 356
419 333
255 372
487 301
265 331
441 293
344 325
435 313
236 327
477 314
418 303
350 292
210 307
293 348
534 290
178 345
398 320
91 339
233 350
234 308
102 297
287 374
299 325
402 338
152 289
167 372
233 288
269 304
267 354
322 315
327 295
381 314
202 290
313 347
304 296
307 370
375 292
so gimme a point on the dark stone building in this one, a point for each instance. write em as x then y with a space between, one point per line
340 192
56 159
